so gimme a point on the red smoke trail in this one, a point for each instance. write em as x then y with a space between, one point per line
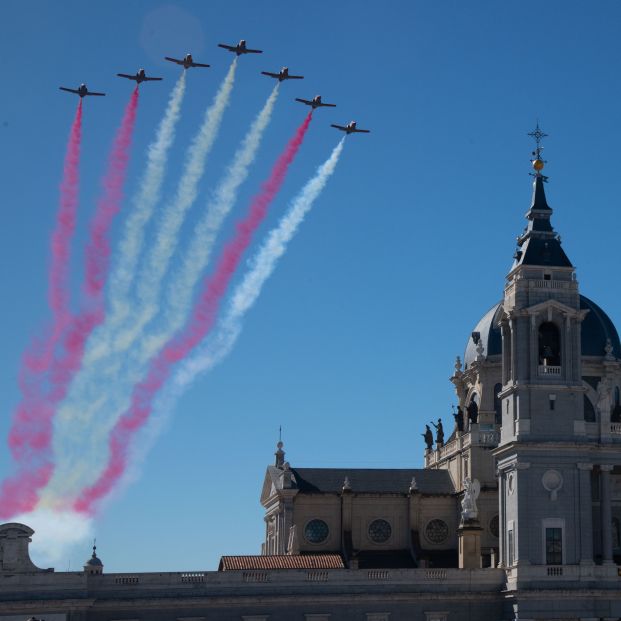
37 359
203 319
31 434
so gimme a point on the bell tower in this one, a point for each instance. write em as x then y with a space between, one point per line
548 461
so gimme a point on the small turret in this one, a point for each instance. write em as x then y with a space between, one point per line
94 566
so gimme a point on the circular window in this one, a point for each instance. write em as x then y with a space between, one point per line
380 531
436 531
494 526
316 531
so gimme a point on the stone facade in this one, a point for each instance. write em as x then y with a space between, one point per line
515 516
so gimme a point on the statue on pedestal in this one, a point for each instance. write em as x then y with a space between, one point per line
469 510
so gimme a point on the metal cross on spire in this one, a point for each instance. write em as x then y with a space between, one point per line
538 162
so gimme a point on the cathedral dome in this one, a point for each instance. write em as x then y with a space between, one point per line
597 328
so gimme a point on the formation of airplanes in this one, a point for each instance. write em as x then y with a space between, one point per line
241 48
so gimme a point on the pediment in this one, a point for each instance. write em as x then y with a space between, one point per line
270 484
548 306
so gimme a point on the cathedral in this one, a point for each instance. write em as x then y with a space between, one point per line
515 515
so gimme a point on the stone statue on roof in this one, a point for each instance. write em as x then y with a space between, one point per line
428 435
439 431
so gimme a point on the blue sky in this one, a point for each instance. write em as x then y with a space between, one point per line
352 341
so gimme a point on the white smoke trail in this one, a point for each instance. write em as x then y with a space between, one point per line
167 237
56 533
229 328
179 296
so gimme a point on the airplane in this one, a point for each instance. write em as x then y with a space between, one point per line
283 74
187 61
82 91
140 76
351 128
240 48
315 102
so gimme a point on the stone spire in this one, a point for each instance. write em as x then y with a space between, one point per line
539 244
280 454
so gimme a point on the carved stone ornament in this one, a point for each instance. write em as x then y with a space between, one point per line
552 481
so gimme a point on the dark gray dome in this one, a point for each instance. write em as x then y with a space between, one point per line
597 328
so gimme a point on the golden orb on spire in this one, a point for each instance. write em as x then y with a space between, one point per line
538 165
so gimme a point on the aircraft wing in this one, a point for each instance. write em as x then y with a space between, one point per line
253 51
361 131
327 105
151 79
304 101
124 75
69 90
96 94
341 127
200 65
230 48
272 75
173 60
295 77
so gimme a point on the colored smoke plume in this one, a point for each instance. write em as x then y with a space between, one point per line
31 427
261 268
158 259
196 258
74 419
202 321
149 194
224 337
98 246
85 411
33 423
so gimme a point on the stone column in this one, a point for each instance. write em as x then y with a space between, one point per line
502 530
606 511
586 514
469 539
505 352
513 327
534 347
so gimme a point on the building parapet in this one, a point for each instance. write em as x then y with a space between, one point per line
59 585
477 436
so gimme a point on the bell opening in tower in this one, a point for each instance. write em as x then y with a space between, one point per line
549 345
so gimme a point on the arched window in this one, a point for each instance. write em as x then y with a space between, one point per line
549 345
589 410
498 403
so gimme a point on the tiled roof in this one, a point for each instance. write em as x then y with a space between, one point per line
281 561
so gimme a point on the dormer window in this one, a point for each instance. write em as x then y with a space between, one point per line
547 276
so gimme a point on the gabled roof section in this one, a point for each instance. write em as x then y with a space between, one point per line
372 480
